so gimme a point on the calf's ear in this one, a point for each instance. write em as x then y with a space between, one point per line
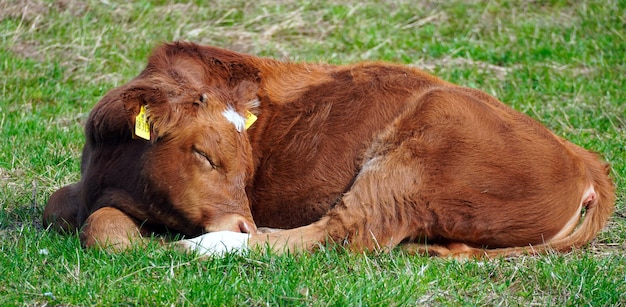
247 101
113 117
246 98
142 105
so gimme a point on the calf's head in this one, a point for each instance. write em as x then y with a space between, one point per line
199 158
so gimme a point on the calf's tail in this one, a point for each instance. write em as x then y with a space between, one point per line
596 212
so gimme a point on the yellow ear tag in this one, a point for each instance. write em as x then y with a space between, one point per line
250 119
142 127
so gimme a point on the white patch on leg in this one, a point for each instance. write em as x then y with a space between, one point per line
235 118
217 243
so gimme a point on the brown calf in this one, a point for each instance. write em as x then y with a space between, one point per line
188 178
377 154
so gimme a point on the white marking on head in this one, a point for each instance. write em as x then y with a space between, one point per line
235 118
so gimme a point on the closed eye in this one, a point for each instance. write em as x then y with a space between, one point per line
203 155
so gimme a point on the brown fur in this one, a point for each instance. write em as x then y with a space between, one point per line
376 154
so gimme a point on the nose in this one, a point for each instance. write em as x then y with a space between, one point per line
247 227
235 223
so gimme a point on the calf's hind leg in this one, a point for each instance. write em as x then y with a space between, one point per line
110 228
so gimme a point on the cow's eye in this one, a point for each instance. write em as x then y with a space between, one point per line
204 156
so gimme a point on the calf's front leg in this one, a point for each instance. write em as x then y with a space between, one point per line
280 241
111 229
61 211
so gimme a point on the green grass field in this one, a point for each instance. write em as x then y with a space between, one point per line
561 62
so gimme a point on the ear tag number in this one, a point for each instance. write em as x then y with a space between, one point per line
142 127
250 119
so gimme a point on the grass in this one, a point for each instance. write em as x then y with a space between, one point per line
561 62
